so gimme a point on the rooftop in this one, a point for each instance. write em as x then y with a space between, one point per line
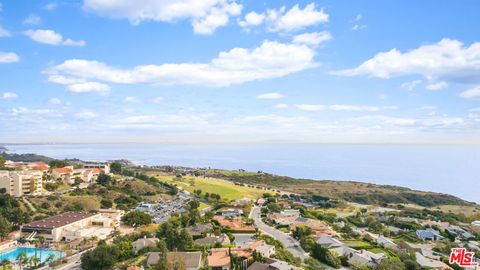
57 221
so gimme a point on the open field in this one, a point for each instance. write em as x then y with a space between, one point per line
227 190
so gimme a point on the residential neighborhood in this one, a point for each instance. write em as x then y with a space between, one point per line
165 224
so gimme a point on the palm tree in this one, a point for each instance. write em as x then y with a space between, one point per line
50 258
34 260
22 259
6 264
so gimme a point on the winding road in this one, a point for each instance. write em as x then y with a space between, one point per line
289 242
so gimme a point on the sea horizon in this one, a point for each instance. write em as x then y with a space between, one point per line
415 166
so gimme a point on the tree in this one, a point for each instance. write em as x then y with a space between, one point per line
58 163
324 255
106 203
104 179
22 259
137 218
5 227
184 240
2 162
103 257
116 167
176 262
391 264
77 181
162 262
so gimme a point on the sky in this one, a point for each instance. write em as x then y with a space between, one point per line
233 71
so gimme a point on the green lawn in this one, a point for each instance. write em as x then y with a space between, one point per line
203 206
357 244
226 190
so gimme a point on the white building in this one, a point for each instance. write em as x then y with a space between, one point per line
20 183
105 167
70 226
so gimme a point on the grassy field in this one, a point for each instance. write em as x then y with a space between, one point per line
203 206
226 189
360 244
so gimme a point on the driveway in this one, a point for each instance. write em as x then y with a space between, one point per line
289 242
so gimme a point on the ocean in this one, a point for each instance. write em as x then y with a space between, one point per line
450 169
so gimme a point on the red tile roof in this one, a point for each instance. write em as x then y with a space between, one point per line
63 170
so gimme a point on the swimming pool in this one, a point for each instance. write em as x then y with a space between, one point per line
42 254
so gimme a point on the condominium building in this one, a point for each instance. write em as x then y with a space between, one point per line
20 183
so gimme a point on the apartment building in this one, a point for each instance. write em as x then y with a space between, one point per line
20 183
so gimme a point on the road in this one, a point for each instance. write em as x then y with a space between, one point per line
290 243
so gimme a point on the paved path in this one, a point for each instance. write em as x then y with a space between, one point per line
29 204
290 243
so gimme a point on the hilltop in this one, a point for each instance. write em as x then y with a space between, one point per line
351 191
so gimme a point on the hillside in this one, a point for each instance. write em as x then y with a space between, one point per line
358 192
364 193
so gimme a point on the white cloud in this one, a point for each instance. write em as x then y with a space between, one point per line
272 95
473 93
312 39
8 57
157 100
281 106
86 115
411 85
50 6
206 16
383 96
342 107
32 20
356 27
55 101
270 60
51 37
86 87
9 95
131 100
447 60
252 19
4 32
283 20
475 110
436 86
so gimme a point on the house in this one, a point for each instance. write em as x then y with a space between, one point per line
200 229
320 227
430 263
290 212
211 240
429 235
69 226
360 257
456 230
262 248
261 201
134 267
386 242
284 204
144 242
235 224
192 260
62 173
328 242
272 264
219 258
230 212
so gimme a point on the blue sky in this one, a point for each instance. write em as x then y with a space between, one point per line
240 71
